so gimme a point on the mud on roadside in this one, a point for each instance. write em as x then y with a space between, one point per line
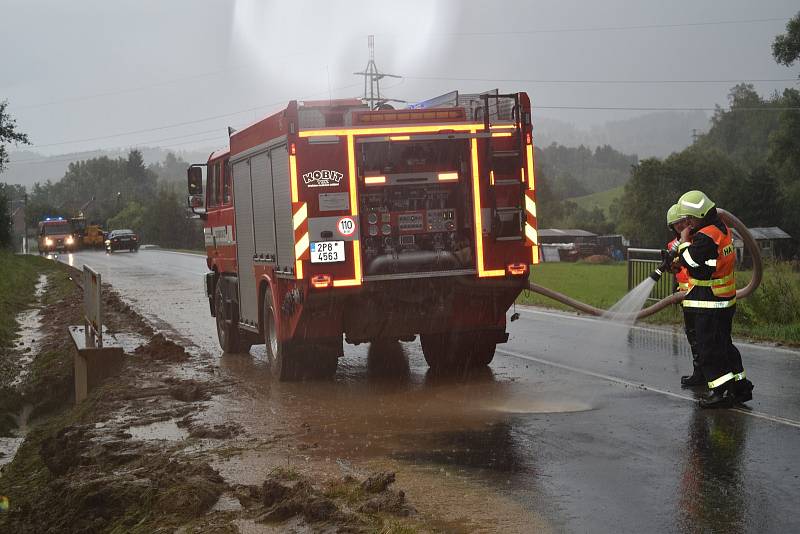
135 456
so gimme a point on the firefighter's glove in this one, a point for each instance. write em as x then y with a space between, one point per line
665 266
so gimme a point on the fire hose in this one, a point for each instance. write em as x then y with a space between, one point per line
730 220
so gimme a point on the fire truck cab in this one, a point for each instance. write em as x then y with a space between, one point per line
55 233
329 220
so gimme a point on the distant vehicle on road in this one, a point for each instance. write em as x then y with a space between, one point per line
94 237
55 233
122 240
87 235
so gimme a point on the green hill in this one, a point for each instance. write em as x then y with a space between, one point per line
603 199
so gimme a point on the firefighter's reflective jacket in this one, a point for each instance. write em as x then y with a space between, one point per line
709 260
682 276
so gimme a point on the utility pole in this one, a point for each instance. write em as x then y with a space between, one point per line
695 135
25 224
372 78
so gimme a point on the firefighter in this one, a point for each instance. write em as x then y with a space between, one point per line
677 223
706 251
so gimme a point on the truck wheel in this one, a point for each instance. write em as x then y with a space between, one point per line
478 351
282 363
290 362
456 352
321 359
230 338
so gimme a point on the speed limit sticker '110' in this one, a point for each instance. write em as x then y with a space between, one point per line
327 251
346 226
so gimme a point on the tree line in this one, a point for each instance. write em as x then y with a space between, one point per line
748 163
122 193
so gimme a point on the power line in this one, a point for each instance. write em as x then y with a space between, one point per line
86 154
588 81
535 107
177 124
93 152
154 84
626 108
616 28
151 141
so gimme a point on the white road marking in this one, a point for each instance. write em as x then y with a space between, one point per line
200 254
637 385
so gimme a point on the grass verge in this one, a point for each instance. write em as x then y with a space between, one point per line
18 277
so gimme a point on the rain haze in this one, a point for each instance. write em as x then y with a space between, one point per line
92 75
239 295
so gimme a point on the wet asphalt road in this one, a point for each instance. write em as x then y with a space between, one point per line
580 421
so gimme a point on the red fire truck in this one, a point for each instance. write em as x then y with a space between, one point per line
330 218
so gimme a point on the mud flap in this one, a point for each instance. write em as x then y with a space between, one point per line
209 287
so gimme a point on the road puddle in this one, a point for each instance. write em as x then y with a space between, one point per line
227 503
129 341
539 406
8 449
395 408
10 445
159 431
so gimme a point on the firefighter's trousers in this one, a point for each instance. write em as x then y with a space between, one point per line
691 335
718 357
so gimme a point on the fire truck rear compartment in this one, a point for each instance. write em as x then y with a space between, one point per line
415 205
403 308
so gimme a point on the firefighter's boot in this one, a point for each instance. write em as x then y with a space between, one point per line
694 379
718 398
742 391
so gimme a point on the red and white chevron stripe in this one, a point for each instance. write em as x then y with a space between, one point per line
300 223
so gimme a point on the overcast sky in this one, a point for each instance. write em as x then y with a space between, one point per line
90 74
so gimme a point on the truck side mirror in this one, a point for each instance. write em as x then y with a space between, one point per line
194 175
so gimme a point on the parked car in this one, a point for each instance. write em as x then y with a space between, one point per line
122 240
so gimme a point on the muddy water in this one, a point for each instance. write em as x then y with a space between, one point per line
160 431
27 347
367 412
29 333
452 442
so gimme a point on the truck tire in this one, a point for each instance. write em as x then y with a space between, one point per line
457 352
230 338
282 363
291 362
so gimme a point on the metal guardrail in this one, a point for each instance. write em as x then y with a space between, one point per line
93 307
643 261
95 359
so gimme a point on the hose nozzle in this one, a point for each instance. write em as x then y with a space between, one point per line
668 258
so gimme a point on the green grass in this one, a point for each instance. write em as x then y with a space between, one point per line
602 200
598 285
18 277
772 313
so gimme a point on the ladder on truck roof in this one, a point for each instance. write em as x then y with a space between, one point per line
479 106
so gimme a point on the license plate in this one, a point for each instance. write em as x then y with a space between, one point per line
327 251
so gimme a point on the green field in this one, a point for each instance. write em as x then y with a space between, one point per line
602 200
598 285
18 277
772 313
